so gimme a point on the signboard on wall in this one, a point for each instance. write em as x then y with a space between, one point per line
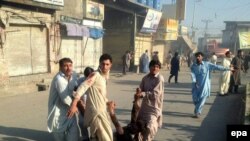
151 21
244 38
53 2
168 30
93 10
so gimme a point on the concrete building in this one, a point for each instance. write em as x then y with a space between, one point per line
125 29
25 27
73 23
202 42
35 34
230 37
171 35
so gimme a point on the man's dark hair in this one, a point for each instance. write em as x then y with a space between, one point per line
176 54
198 53
63 60
154 62
88 71
105 57
239 51
228 52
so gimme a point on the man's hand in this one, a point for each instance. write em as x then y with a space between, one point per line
111 107
138 94
232 68
73 109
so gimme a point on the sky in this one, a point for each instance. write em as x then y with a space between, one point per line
216 11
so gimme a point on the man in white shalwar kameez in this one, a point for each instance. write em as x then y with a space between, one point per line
96 116
60 98
225 75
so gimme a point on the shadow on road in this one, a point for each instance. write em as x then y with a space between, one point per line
224 111
177 114
178 85
127 82
22 134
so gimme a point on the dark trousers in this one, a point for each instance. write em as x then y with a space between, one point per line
232 86
175 78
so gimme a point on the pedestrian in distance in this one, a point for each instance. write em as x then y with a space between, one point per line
168 60
214 59
201 84
126 62
225 75
235 80
60 99
144 61
175 68
155 56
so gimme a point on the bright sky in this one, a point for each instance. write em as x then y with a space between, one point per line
217 11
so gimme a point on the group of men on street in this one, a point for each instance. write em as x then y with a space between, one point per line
65 93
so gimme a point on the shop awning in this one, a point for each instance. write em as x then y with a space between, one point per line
76 30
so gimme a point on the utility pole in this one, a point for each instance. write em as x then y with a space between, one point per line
206 21
192 26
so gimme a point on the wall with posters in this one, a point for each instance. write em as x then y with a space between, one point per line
93 10
244 38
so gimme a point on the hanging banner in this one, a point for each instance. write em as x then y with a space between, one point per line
53 2
151 21
93 10
244 38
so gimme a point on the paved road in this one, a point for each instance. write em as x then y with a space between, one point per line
23 117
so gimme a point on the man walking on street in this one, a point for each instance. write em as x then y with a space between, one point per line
175 68
235 80
225 76
144 60
62 86
126 62
201 85
150 112
96 116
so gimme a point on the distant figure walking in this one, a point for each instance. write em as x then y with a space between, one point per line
235 80
225 75
144 62
214 59
168 59
175 68
126 62
155 56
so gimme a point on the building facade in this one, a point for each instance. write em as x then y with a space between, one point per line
25 44
36 34
230 37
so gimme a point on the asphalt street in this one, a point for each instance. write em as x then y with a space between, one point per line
24 116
